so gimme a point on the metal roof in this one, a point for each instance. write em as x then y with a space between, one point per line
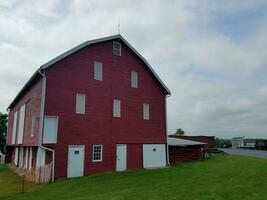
75 49
27 84
182 142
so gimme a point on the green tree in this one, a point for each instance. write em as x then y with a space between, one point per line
3 131
223 143
179 131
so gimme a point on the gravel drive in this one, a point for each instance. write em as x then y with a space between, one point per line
246 152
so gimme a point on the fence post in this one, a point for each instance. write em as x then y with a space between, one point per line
22 173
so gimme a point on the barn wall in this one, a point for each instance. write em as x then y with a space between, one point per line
12 154
30 174
134 151
34 158
134 159
74 74
32 99
185 154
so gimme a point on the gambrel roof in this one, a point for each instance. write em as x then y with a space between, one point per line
77 48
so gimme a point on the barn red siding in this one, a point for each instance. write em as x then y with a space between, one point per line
32 99
13 155
34 158
134 151
74 74
179 154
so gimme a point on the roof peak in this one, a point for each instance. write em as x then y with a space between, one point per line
82 45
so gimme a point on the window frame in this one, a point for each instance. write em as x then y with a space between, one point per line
21 124
146 116
134 79
44 140
84 103
101 153
116 113
96 65
116 49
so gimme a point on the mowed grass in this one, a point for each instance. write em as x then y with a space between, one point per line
220 177
10 183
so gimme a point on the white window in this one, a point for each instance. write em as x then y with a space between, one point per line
134 79
80 104
146 111
98 71
21 124
33 126
117 48
97 153
116 108
14 128
50 129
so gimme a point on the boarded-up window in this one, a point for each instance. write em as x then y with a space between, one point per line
116 108
117 48
33 126
21 124
50 129
80 103
14 131
146 111
134 79
98 71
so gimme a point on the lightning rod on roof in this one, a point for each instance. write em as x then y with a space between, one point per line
119 26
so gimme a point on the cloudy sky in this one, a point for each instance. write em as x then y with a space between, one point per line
211 54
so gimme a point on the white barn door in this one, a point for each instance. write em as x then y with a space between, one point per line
121 161
75 161
154 155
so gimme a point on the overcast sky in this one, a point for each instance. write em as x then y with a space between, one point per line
211 54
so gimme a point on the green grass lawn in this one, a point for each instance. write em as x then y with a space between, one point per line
10 183
220 177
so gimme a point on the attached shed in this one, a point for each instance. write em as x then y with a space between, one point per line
209 141
181 150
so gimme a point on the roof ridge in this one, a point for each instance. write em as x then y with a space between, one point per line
80 46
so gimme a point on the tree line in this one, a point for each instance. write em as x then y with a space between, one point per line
3 131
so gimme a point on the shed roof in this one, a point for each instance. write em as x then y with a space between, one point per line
75 49
182 142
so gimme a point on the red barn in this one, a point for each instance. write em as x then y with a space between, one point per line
98 107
